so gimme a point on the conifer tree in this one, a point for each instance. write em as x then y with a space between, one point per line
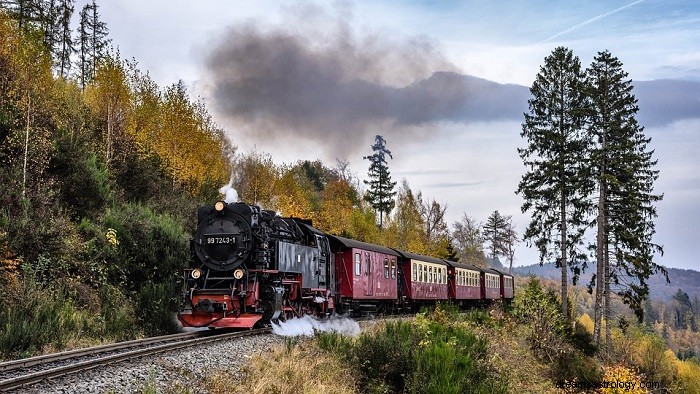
556 184
494 234
65 46
624 172
381 189
92 42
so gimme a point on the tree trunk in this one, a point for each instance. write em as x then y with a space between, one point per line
601 258
26 148
608 338
564 273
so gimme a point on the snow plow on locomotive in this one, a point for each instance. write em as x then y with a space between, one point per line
249 267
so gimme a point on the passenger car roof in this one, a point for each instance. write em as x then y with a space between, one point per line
463 266
351 243
414 256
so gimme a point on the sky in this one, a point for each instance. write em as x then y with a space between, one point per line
445 82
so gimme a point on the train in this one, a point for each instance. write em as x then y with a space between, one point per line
249 267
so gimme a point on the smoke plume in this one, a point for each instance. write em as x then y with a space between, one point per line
324 82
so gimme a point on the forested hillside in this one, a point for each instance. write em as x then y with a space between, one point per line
102 170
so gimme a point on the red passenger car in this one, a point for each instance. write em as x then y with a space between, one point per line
366 275
464 282
491 284
507 285
424 278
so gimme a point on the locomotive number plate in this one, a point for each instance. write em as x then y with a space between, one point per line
220 239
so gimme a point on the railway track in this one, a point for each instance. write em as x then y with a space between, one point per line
24 372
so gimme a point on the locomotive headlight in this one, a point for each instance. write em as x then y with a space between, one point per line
196 273
238 274
219 206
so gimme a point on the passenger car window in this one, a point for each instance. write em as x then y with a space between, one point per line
358 264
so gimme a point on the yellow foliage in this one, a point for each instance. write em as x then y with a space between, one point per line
688 376
9 266
622 380
336 207
181 133
586 322
294 199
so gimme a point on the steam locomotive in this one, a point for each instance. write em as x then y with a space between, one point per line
249 266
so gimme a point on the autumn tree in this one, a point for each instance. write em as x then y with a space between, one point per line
109 97
436 231
510 240
557 184
469 241
381 189
296 194
338 200
406 227
625 173
255 177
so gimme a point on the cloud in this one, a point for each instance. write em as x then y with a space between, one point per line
665 101
454 184
278 82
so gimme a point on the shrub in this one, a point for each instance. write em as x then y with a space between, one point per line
435 354
622 374
37 318
540 309
156 305
151 247
117 314
688 376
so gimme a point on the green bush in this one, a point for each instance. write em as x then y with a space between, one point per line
116 314
85 185
433 355
157 303
38 317
147 247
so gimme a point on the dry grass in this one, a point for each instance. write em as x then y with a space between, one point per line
511 357
288 369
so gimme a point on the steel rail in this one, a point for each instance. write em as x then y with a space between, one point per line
53 357
37 377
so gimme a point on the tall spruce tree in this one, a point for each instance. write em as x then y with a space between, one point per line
381 189
556 185
494 234
92 42
65 46
625 174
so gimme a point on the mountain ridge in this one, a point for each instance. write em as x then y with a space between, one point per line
687 280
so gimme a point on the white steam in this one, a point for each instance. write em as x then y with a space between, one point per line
307 326
230 194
